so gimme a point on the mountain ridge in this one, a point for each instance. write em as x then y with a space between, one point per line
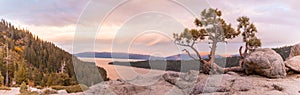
122 55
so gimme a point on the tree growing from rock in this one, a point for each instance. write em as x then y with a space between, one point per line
248 31
212 27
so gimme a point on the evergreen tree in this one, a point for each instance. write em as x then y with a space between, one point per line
248 32
210 26
1 79
50 80
21 74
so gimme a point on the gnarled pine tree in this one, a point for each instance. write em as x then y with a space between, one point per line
248 31
210 26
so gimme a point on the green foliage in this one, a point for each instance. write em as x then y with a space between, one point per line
58 79
37 76
21 74
248 32
49 91
23 88
72 88
210 26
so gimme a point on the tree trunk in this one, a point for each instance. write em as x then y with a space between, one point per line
236 68
210 66
6 79
213 52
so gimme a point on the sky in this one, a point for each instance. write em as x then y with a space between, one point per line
146 26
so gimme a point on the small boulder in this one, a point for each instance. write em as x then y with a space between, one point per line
293 64
265 62
295 51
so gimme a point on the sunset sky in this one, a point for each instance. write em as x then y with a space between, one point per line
146 26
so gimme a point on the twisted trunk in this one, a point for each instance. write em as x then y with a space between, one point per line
210 66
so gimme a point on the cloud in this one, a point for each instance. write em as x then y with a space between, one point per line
56 21
42 13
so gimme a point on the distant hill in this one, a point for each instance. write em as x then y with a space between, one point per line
187 57
137 56
175 62
117 55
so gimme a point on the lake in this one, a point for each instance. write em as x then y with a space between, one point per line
122 72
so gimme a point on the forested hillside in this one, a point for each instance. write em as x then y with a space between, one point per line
33 60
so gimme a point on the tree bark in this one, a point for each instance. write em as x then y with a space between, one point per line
213 52
210 66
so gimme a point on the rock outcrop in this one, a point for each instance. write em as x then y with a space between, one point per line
122 87
192 83
185 82
293 63
295 51
265 62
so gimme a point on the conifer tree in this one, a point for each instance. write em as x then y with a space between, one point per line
21 74
248 31
212 27
1 79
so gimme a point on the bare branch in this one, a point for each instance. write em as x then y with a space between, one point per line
185 50
178 43
240 51
196 51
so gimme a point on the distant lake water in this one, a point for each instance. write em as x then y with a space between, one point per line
122 72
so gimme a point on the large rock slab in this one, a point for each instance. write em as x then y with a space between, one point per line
293 63
175 83
265 62
184 82
295 51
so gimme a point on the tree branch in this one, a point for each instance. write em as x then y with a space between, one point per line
189 54
240 51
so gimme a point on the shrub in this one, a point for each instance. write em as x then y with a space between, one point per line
71 89
76 88
49 91
23 88
4 88
58 87
30 93
58 79
15 85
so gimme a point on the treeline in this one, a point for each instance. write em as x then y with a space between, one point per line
34 61
283 51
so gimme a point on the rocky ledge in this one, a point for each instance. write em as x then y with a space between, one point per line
174 83
273 79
